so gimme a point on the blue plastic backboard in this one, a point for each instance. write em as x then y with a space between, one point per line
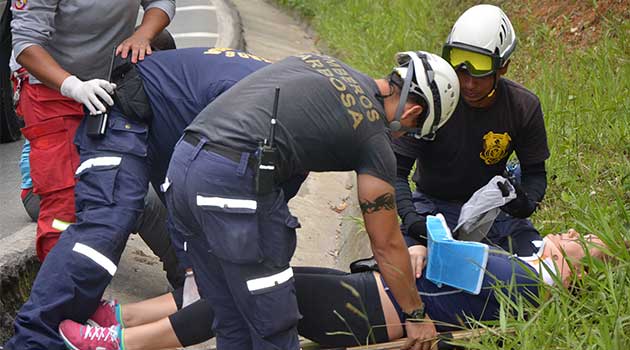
458 264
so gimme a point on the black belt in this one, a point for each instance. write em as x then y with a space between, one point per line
229 153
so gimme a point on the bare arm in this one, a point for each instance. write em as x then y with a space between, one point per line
43 66
378 204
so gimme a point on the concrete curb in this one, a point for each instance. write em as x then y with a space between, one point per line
230 26
18 267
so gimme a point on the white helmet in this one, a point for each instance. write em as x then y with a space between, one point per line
484 29
434 81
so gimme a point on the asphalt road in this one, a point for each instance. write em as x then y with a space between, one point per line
194 25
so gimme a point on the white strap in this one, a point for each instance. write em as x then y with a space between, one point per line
95 256
99 161
226 203
269 281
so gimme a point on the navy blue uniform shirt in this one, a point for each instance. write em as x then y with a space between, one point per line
179 84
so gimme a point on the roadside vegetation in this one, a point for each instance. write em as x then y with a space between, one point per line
576 57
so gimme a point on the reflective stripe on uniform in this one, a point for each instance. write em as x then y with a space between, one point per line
270 281
60 225
226 202
164 187
95 256
100 161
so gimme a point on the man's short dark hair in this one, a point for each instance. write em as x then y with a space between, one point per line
396 80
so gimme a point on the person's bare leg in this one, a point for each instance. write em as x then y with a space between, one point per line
152 336
147 311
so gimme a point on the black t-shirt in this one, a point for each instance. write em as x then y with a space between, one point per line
475 144
329 118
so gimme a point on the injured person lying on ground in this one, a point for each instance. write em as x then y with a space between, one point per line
335 304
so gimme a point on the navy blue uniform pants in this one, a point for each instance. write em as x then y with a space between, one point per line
113 180
508 233
243 267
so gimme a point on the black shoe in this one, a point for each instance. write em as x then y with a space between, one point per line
364 265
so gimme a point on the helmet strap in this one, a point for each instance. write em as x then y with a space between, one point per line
492 91
494 84
496 76
395 124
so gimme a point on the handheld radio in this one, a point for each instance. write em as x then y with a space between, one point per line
267 154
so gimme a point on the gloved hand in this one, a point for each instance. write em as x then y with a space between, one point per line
418 231
191 293
89 92
504 188
520 207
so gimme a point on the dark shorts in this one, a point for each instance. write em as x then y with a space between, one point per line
332 303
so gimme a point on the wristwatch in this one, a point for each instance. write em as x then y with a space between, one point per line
416 315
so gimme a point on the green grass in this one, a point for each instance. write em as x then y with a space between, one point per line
585 95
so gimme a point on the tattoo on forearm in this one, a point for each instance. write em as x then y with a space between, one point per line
385 201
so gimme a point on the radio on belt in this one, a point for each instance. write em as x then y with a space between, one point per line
268 154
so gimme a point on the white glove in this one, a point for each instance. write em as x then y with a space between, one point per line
191 294
86 92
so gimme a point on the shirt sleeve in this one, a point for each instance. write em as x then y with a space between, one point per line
377 159
531 146
168 6
32 24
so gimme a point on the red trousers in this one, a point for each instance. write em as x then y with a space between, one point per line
51 121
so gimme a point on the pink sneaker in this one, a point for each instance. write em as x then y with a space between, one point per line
106 315
85 337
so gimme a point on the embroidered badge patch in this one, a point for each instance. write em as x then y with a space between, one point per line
20 4
495 147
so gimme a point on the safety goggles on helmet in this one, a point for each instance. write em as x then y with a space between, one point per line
477 63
